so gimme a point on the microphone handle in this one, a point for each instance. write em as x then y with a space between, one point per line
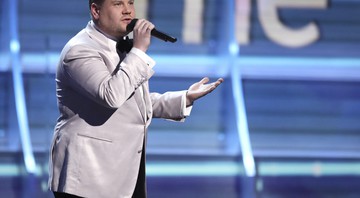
154 32
163 36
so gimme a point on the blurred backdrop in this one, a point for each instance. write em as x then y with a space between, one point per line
284 124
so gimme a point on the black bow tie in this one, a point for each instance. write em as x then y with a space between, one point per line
123 47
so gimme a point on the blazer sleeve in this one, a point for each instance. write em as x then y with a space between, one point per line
85 70
168 105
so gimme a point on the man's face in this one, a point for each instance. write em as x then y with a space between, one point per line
114 15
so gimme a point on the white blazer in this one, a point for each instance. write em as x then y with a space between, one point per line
98 139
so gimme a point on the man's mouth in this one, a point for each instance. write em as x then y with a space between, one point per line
127 20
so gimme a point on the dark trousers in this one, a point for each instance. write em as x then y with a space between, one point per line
64 195
140 188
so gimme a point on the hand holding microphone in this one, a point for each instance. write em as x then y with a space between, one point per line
154 32
141 32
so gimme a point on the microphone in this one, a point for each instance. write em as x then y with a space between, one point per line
154 32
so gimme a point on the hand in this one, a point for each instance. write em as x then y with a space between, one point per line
142 34
200 89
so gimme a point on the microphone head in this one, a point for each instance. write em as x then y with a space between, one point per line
131 25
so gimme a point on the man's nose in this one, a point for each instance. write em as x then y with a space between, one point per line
127 10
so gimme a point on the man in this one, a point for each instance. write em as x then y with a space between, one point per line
98 148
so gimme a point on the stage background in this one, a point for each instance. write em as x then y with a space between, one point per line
285 123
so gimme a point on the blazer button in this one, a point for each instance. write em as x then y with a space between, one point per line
139 151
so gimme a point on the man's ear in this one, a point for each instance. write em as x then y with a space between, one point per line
95 11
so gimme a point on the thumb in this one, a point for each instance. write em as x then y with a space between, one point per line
204 80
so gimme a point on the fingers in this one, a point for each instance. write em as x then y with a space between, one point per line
200 89
206 80
215 84
220 80
142 35
144 26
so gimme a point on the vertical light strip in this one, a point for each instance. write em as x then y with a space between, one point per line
241 121
19 89
193 21
240 110
242 21
141 7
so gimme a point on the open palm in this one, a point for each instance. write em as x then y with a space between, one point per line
200 89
